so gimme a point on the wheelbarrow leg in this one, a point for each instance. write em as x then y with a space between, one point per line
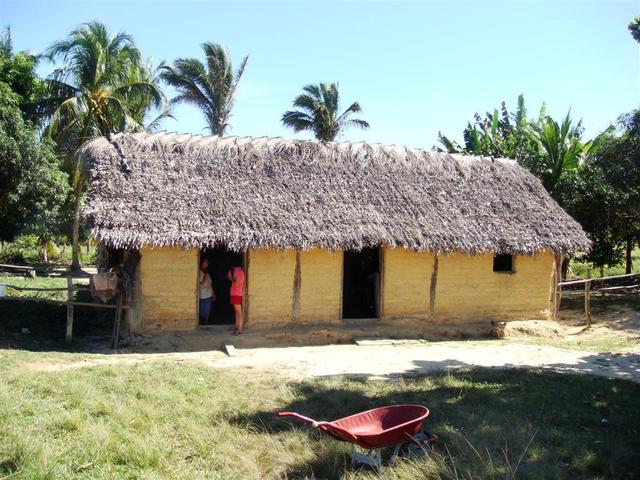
394 455
372 458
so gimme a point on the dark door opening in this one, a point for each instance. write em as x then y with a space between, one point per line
221 261
361 282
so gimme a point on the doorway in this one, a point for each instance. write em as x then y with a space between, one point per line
221 260
361 283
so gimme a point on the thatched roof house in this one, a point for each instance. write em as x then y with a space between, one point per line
251 194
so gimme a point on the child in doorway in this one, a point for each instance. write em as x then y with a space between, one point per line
236 275
207 296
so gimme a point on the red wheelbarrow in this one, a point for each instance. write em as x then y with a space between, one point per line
398 426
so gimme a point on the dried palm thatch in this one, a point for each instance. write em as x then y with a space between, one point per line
173 189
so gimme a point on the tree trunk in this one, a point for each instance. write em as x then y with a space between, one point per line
44 245
75 231
629 265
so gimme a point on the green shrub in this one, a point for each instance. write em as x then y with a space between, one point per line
53 251
23 249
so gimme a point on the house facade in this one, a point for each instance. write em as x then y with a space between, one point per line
328 233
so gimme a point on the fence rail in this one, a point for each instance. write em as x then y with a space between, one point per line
52 289
600 279
70 303
588 290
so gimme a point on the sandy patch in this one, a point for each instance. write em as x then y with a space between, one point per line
387 360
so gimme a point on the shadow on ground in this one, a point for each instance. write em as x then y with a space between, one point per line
39 326
579 426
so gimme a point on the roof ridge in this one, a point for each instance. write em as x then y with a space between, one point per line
189 136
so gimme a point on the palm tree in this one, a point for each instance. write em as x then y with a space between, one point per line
317 110
562 147
211 88
102 88
139 101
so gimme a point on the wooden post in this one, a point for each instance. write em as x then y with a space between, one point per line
69 334
297 283
587 298
557 286
247 278
116 322
433 285
379 282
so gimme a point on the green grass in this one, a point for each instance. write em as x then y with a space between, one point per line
38 282
162 419
604 344
579 269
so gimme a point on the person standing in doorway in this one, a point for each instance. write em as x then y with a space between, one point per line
236 275
207 296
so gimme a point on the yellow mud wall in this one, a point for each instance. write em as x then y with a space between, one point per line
169 277
467 286
270 286
406 281
320 286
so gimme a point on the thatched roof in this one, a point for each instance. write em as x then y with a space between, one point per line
173 189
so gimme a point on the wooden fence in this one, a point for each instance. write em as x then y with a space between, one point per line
119 307
589 283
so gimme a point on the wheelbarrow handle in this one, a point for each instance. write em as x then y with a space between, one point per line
329 427
299 417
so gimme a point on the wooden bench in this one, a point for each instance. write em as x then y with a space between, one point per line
23 270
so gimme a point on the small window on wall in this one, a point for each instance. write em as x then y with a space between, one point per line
503 264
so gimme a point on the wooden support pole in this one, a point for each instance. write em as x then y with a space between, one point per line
433 286
116 323
557 287
587 298
297 283
69 333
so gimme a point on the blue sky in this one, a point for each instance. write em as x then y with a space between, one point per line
415 67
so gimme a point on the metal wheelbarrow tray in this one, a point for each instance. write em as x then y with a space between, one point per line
373 430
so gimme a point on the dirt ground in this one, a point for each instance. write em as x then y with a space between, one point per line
615 320
389 360
610 347
537 345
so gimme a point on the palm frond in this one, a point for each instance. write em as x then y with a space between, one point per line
450 145
307 103
154 124
317 110
356 123
211 88
297 120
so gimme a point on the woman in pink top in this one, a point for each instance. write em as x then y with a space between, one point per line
236 275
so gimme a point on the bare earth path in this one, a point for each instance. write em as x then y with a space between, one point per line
386 360
391 360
